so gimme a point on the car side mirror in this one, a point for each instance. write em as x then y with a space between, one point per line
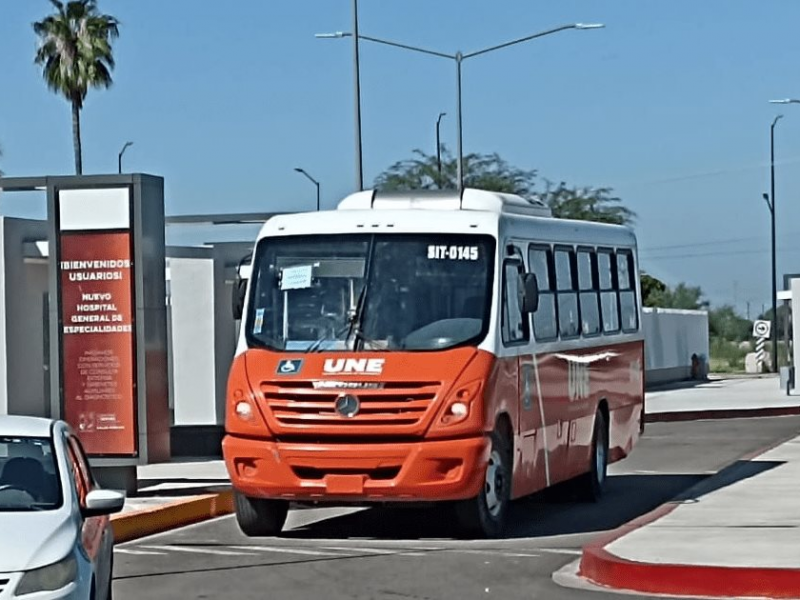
99 503
530 293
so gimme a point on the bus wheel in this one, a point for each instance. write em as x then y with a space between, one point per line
592 483
258 517
485 516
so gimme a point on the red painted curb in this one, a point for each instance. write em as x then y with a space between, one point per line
601 567
604 568
734 413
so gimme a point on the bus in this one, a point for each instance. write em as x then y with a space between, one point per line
465 348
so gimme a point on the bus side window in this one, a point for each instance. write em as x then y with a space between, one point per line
609 302
587 283
545 323
569 322
627 291
515 325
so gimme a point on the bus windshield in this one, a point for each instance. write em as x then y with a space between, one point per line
377 292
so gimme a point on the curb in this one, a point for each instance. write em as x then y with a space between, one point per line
723 413
601 567
148 521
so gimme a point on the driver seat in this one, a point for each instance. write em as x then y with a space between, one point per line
24 473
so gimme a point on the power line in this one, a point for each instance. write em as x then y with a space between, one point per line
713 254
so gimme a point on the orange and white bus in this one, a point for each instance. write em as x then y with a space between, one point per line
465 348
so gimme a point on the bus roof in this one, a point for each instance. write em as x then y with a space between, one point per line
446 211
468 199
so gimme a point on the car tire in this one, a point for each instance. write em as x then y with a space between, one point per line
485 516
592 484
259 517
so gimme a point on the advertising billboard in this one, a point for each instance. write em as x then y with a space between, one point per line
98 337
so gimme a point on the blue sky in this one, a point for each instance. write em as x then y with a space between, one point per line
668 106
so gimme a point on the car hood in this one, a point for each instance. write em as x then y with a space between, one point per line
29 540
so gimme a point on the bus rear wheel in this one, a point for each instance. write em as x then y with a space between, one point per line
591 484
485 515
259 517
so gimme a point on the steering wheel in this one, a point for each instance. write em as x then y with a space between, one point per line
11 486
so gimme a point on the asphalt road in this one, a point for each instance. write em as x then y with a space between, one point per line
338 553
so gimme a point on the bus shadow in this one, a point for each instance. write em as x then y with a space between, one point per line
551 513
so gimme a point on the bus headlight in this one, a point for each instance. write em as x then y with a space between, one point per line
50 578
244 410
460 404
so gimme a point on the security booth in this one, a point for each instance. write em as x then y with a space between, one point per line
108 375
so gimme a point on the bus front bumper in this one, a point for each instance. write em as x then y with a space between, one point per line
390 472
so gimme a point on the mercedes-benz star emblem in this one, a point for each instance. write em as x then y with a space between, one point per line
348 405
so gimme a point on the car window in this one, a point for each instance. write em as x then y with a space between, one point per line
29 478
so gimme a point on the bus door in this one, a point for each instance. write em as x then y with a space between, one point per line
530 474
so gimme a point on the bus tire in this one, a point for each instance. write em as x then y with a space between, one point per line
485 515
591 485
258 517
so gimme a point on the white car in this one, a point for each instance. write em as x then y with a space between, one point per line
56 539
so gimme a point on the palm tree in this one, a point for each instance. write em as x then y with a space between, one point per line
75 51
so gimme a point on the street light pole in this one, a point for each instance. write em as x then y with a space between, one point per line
310 178
774 257
439 148
119 156
458 57
459 126
357 84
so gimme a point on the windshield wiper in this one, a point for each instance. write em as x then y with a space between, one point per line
316 346
348 327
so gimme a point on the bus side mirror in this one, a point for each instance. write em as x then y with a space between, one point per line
530 293
239 290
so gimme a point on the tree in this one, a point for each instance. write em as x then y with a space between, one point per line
491 172
723 322
682 296
586 203
75 54
652 289
481 171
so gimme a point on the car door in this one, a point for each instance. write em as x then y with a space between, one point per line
96 534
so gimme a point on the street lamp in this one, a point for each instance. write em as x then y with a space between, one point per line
459 57
439 147
770 200
314 181
119 157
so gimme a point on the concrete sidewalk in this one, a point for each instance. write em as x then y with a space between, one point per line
737 534
719 398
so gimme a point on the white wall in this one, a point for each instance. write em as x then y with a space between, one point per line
671 337
23 285
193 373
202 334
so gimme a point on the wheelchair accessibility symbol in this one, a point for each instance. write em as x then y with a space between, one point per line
289 366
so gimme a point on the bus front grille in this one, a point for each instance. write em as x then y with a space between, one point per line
299 404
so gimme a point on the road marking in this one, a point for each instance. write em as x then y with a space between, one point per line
363 550
495 553
194 550
567 551
381 551
138 552
284 550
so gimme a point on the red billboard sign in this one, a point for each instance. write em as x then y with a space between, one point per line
98 357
